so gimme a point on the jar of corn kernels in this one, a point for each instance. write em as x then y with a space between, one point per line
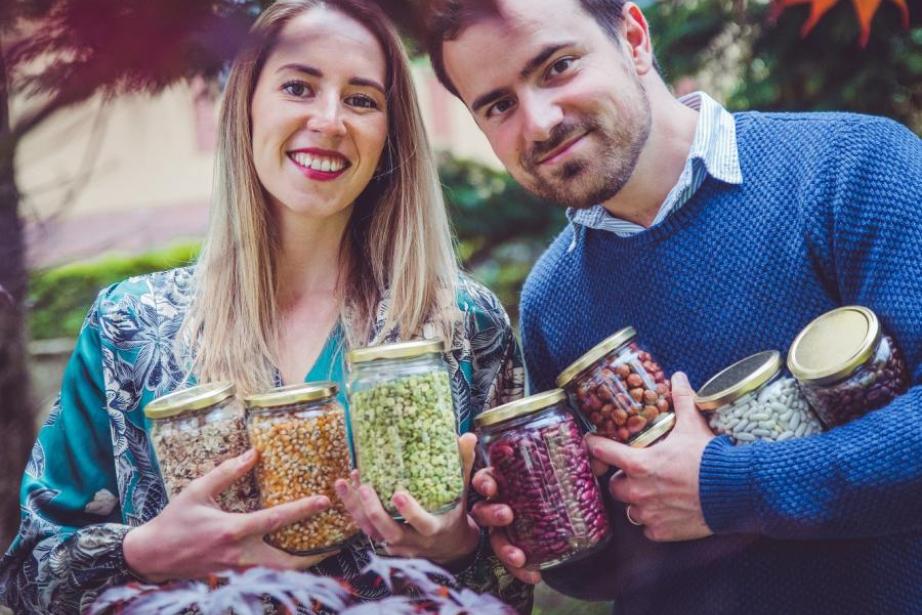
300 433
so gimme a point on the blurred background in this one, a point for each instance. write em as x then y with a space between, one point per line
107 137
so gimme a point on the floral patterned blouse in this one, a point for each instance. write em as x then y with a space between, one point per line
92 475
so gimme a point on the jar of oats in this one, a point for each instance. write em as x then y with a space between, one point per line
300 433
193 431
403 423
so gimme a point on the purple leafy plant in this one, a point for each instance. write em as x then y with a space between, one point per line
415 586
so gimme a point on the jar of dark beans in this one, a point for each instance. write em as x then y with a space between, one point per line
847 365
404 426
619 387
300 433
541 465
754 400
194 430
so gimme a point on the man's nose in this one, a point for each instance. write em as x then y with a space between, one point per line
541 115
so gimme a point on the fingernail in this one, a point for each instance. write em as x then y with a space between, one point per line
248 456
340 489
399 500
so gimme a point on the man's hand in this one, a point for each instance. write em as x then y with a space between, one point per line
660 484
192 538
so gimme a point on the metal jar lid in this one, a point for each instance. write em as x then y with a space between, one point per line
744 376
834 345
598 351
520 407
653 433
401 350
194 398
292 394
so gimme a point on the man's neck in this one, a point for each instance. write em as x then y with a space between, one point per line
660 164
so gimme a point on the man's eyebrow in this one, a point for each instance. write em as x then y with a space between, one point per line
530 67
542 57
316 72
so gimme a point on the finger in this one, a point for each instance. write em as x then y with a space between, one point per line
467 444
484 483
619 487
615 454
487 514
263 554
224 475
350 499
598 467
512 558
687 416
268 520
414 514
380 520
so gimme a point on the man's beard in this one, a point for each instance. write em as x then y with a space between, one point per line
582 182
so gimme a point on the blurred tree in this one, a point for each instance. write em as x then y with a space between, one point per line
53 54
753 61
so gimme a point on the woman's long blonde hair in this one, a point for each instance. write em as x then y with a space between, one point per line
397 241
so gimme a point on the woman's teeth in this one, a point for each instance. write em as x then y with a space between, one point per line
319 163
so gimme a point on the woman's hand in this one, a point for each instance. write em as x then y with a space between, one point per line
440 538
192 537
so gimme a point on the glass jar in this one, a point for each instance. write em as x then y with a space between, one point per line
752 400
193 431
403 423
541 466
618 387
847 365
300 433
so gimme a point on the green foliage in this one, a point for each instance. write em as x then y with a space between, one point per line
59 298
777 69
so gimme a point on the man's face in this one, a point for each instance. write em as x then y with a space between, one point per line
556 96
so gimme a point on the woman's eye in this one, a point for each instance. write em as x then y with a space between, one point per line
296 88
560 66
364 102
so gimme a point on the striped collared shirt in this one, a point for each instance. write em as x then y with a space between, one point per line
713 152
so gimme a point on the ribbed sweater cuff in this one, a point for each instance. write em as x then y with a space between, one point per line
725 481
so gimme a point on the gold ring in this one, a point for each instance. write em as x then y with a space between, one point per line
630 519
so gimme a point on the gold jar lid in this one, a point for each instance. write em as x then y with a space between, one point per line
659 429
520 407
194 398
598 351
292 394
741 378
834 345
400 350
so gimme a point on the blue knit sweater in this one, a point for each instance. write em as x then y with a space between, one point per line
828 214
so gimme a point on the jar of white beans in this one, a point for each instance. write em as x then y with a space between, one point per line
752 400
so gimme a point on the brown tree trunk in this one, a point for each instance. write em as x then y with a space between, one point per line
17 419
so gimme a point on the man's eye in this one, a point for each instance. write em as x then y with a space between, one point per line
296 88
499 107
560 66
362 101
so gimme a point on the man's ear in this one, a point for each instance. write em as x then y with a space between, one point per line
636 37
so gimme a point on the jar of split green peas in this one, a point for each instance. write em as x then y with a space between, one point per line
404 426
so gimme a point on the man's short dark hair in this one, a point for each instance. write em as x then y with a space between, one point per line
447 19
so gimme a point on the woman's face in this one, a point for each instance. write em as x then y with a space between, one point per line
319 114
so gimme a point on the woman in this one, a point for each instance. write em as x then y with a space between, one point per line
328 230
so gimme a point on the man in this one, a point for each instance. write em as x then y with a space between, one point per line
716 236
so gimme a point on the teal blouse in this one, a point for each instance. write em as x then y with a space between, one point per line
92 474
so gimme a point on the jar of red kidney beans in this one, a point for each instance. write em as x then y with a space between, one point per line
541 466
847 365
619 388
